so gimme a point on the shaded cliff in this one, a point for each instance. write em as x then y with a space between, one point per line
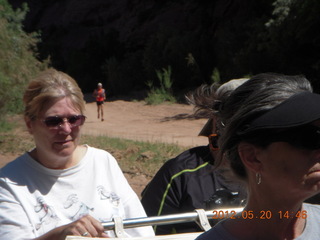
121 43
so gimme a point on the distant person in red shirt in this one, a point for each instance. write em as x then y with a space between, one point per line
100 95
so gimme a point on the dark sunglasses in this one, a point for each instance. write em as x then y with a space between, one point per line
304 137
55 122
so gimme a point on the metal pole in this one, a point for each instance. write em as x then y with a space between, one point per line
170 219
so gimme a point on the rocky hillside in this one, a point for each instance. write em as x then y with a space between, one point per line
100 40
122 43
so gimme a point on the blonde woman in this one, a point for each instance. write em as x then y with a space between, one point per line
59 187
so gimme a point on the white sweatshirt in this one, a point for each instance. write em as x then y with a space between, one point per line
35 199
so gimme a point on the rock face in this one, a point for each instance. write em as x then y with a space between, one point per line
113 41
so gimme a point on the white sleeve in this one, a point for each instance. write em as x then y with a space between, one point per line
132 205
13 220
134 209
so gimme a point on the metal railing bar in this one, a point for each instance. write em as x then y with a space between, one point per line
167 219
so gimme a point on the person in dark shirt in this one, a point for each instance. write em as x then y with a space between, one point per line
189 181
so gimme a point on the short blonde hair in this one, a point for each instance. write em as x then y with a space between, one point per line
48 87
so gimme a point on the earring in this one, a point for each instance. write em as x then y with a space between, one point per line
258 178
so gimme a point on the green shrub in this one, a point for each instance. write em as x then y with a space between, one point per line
18 62
215 77
162 93
6 126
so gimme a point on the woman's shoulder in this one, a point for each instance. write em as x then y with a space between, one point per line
100 155
14 165
311 207
312 228
95 150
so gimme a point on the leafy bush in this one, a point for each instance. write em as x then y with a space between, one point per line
18 61
162 93
215 77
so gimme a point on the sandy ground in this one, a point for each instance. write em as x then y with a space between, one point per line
169 123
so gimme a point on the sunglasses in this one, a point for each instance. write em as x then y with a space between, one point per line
55 122
304 137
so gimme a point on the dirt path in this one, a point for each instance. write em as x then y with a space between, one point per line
169 123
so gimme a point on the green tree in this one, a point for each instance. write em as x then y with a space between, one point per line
163 93
18 62
285 40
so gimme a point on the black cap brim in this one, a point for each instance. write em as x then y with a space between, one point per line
300 109
207 128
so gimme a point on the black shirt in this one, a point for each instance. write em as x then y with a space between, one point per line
183 184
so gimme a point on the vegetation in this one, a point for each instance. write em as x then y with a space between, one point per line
215 77
18 61
240 38
135 156
284 39
162 93
208 44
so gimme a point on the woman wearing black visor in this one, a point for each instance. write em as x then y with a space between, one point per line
272 139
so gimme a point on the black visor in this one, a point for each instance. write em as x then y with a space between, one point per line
300 109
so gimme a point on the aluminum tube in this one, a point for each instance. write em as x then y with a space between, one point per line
166 219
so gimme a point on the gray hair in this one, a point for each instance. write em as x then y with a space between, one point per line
208 99
253 98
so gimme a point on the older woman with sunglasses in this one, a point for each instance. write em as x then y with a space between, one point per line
62 188
272 139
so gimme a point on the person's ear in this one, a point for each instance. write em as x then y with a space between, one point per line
249 156
28 123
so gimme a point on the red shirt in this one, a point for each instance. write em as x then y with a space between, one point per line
100 95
